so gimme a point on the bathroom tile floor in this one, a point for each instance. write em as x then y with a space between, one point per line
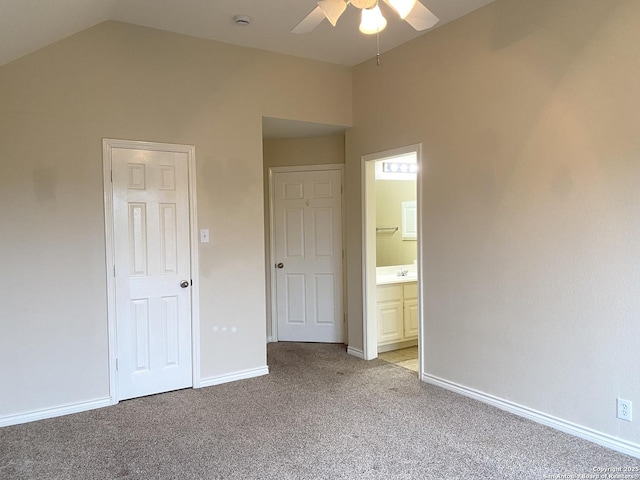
405 358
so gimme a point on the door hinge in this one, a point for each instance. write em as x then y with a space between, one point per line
114 270
111 176
116 364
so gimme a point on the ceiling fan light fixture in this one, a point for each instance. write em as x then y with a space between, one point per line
372 21
403 7
361 4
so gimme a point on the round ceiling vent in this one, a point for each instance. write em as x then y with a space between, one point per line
242 20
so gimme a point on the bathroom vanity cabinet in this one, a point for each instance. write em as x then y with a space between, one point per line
397 314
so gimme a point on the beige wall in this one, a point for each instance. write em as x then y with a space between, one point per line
528 114
121 81
391 249
289 152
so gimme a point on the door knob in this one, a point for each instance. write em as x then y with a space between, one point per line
184 283
280 265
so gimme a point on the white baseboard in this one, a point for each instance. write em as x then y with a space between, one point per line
594 436
44 413
271 339
58 411
355 352
232 377
397 346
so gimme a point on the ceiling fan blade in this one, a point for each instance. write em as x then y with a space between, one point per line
310 22
421 18
332 9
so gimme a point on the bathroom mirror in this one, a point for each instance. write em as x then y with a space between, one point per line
397 222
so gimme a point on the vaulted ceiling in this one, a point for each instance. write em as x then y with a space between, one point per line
27 25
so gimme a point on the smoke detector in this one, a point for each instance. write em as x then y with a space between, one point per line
242 20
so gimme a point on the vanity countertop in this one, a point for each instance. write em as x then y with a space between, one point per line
389 275
389 279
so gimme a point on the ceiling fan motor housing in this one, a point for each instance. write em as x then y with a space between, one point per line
364 4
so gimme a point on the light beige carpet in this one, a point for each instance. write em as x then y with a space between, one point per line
319 414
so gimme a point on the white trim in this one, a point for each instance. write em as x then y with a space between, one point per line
422 171
369 326
355 352
58 411
271 262
272 252
308 168
232 377
585 433
388 347
110 267
107 145
195 268
369 322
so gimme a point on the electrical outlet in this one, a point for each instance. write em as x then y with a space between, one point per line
624 409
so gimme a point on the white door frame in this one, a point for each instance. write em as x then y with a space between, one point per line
272 237
369 321
107 145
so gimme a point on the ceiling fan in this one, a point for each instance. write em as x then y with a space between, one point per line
412 11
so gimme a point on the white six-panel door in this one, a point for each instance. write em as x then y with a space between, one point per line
152 271
308 250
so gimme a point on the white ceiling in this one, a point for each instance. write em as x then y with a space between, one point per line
27 25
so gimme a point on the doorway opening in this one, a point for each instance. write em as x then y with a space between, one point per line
391 245
295 299
306 239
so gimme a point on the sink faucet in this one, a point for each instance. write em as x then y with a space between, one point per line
402 273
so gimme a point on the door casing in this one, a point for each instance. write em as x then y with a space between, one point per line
273 337
107 145
369 322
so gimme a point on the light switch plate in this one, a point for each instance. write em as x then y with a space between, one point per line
204 235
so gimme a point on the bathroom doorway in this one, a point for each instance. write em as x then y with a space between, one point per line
391 256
